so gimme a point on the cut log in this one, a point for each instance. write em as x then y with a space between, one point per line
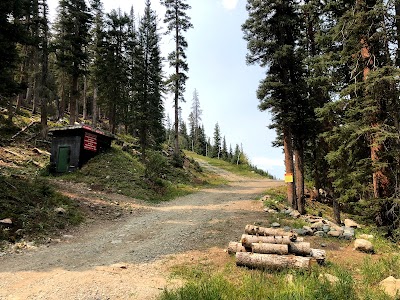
247 240
300 248
256 230
265 248
234 247
319 255
271 261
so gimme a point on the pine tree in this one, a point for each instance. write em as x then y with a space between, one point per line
272 31
148 107
72 34
113 90
11 33
224 149
177 23
97 35
195 118
216 149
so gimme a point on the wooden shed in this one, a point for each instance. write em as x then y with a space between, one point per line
73 146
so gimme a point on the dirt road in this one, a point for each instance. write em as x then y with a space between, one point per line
130 257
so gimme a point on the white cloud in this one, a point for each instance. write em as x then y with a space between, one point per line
230 4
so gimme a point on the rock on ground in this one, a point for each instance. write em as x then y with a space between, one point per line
391 286
363 246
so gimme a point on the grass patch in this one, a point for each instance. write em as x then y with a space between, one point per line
30 204
242 170
243 284
118 171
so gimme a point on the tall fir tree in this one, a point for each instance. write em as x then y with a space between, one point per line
216 149
177 22
272 31
148 107
72 38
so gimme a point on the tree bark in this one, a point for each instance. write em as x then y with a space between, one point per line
94 108
288 149
299 176
247 240
265 248
234 247
271 261
336 210
300 248
73 99
265 231
84 113
176 148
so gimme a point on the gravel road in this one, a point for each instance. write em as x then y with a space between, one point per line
130 257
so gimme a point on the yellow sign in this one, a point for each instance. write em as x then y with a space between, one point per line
289 177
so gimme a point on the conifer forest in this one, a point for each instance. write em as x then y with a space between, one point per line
332 86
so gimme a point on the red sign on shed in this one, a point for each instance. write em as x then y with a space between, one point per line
90 142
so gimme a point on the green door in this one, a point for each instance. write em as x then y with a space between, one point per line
63 159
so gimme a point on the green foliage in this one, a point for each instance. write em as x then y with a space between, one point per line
242 169
121 172
155 166
30 204
264 285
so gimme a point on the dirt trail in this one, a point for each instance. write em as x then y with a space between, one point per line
130 258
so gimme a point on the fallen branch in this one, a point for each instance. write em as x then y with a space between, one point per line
24 129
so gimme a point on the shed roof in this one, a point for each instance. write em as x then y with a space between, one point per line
84 127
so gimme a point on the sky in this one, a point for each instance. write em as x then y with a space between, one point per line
227 87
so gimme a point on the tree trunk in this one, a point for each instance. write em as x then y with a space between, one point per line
94 108
336 210
271 261
397 21
265 248
247 240
177 83
300 248
288 149
234 247
43 83
84 113
61 108
299 176
265 231
73 100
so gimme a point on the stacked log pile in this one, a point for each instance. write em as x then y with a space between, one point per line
274 248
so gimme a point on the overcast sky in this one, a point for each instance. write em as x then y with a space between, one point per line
217 69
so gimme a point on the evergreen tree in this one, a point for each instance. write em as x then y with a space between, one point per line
95 50
72 37
195 118
202 141
177 23
148 107
11 33
216 149
272 31
113 90
224 150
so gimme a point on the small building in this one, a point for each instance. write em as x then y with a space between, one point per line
73 146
